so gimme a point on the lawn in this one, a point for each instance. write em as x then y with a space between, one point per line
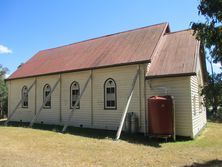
20 146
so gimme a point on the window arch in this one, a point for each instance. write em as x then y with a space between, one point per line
74 94
110 100
25 97
46 92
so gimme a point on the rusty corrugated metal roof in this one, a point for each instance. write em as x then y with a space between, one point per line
176 55
121 48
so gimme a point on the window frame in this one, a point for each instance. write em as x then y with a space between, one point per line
47 107
104 94
22 93
70 100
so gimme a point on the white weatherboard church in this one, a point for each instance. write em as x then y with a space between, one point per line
88 83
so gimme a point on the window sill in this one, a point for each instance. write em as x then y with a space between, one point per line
110 108
46 107
25 111
71 108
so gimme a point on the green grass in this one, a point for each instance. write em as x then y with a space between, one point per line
45 146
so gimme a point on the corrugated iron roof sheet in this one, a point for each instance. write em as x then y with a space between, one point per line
121 48
175 55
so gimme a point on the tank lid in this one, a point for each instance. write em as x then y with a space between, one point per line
161 97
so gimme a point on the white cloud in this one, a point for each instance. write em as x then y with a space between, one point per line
4 49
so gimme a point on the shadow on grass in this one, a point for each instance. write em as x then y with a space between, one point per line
212 163
98 133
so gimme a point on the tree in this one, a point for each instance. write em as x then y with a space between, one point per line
3 71
212 92
210 35
210 32
3 92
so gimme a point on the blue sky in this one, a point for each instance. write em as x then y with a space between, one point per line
27 26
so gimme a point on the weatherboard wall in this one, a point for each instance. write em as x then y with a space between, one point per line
91 113
81 116
48 115
14 96
179 88
199 119
198 110
123 77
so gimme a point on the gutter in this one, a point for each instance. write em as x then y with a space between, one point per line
83 69
170 75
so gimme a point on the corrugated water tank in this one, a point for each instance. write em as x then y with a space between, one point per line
160 115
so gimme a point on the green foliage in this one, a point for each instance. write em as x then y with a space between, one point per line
210 35
210 32
3 90
212 92
3 71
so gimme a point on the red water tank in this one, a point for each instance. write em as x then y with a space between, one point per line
160 115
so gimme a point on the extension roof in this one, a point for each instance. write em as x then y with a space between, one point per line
176 55
169 53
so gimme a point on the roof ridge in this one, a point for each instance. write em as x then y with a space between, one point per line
103 36
188 29
167 27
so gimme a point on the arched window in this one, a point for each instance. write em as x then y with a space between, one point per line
74 94
110 101
46 92
25 97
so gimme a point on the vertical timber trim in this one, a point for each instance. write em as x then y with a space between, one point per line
140 111
60 98
191 105
35 96
9 100
91 98
145 103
